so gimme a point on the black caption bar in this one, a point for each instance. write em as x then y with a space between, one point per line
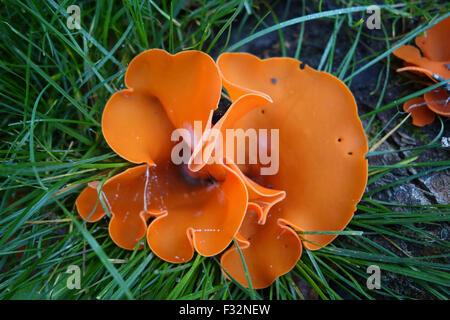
200 309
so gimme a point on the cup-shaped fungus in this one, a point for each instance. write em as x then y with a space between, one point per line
201 210
420 113
315 178
433 62
435 48
322 169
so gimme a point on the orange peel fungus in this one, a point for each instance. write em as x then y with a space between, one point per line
190 210
322 167
320 176
433 60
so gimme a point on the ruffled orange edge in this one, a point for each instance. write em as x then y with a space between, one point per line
192 210
327 152
434 42
435 70
438 101
201 215
420 114
423 109
435 48
165 92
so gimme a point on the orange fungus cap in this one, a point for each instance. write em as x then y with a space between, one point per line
434 43
191 210
438 101
419 111
435 48
322 165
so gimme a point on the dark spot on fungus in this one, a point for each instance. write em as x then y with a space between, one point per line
274 80
262 111
339 139
302 65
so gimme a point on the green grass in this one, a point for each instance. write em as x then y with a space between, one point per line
53 88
